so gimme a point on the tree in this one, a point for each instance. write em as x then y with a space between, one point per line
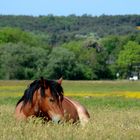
14 35
92 64
61 63
128 57
19 61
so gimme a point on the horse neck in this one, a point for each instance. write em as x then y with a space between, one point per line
31 108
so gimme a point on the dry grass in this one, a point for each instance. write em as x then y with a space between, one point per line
105 123
112 118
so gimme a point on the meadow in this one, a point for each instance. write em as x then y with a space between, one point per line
114 107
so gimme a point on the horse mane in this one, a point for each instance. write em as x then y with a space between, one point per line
55 88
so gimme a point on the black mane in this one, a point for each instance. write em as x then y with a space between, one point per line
55 87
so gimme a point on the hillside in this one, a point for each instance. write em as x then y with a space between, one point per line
62 29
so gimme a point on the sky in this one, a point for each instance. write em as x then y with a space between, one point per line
68 7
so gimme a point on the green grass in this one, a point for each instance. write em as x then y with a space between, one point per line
16 88
101 86
112 118
91 103
109 102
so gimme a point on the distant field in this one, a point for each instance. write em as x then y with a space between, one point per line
114 107
77 88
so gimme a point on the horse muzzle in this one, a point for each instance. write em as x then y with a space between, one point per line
56 119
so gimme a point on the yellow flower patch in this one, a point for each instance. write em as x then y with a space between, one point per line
17 91
125 94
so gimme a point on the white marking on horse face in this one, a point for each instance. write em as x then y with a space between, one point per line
56 118
36 109
65 111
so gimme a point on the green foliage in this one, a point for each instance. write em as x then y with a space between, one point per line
63 29
129 56
19 61
61 63
14 35
75 47
88 60
110 43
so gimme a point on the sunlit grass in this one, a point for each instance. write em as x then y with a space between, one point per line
113 107
126 94
79 88
104 124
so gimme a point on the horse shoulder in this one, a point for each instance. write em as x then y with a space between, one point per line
82 111
70 110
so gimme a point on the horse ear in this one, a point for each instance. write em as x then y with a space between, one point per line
60 81
42 81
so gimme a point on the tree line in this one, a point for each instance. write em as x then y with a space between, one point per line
75 47
60 29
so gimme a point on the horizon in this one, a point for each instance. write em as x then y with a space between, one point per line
69 15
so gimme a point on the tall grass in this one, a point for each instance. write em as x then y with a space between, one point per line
105 124
112 117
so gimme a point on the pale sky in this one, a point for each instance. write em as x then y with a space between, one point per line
67 7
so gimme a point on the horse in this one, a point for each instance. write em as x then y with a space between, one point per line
45 98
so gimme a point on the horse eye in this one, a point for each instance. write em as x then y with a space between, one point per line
51 100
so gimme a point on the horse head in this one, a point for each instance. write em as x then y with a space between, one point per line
50 96
42 98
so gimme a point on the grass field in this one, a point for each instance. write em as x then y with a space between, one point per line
114 107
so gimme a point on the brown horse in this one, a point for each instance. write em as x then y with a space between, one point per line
44 98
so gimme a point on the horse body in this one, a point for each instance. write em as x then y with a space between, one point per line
44 98
70 111
76 111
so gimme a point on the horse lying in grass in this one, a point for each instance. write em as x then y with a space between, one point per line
44 98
